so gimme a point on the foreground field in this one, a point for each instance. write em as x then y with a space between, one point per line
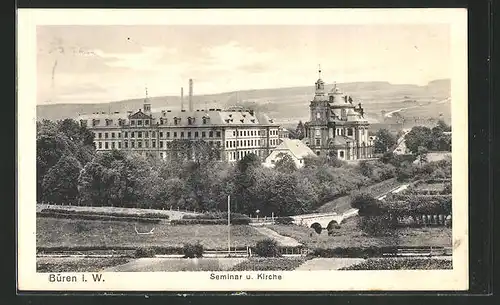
74 233
349 235
176 264
77 264
402 264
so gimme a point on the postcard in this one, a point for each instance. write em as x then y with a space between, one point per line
242 150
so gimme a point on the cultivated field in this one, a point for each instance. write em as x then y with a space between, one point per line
349 235
97 234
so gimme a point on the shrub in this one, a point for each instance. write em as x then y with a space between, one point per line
267 248
70 215
145 252
287 220
193 250
402 264
375 225
212 219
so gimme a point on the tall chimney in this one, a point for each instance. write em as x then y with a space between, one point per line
182 98
190 95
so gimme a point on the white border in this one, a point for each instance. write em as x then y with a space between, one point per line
28 279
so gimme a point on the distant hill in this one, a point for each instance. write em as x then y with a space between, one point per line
287 105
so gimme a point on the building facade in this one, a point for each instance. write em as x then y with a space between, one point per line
235 132
337 127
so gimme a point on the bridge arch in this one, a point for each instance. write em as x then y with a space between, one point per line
332 224
317 227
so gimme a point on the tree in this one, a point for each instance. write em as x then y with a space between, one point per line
300 131
384 141
418 136
422 154
60 183
285 163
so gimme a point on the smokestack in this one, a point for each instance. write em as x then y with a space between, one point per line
182 98
190 95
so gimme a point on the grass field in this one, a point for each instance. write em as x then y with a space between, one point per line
177 264
402 264
77 264
349 235
269 264
52 232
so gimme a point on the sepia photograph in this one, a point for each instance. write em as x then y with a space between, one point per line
229 153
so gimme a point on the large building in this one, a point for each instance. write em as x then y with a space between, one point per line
235 132
296 149
337 127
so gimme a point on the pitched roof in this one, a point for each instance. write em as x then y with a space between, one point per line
296 147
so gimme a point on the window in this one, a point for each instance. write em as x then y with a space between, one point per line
161 134
106 145
211 134
168 134
204 120
132 134
139 144
132 122
106 135
362 131
139 134
100 145
153 144
146 122
244 133
241 133
153 134
146 144
203 134
113 135
189 134
196 134
100 135
341 154
234 133
318 142
175 134
132 144
227 143
218 134
119 135
182 134
126 144
349 132
146 134
239 144
318 152
161 144
139 123
113 145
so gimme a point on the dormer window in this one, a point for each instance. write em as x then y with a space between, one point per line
132 122
177 121
190 121
95 122
146 122
206 120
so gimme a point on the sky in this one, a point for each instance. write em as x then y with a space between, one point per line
93 64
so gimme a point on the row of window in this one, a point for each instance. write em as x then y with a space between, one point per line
253 133
146 134
142 144
244 143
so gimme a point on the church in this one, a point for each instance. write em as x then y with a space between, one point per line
337 126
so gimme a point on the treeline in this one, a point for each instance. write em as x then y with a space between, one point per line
70 172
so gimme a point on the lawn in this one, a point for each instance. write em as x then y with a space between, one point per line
77 264
349 235
269 264
177 264
402 264
57 232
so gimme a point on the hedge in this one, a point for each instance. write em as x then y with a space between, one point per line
286 220
215 215
156 249
106 213
402 264
96 217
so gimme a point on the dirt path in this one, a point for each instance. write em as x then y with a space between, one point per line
283 241
316 264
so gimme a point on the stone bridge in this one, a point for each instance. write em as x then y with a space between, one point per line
320 221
